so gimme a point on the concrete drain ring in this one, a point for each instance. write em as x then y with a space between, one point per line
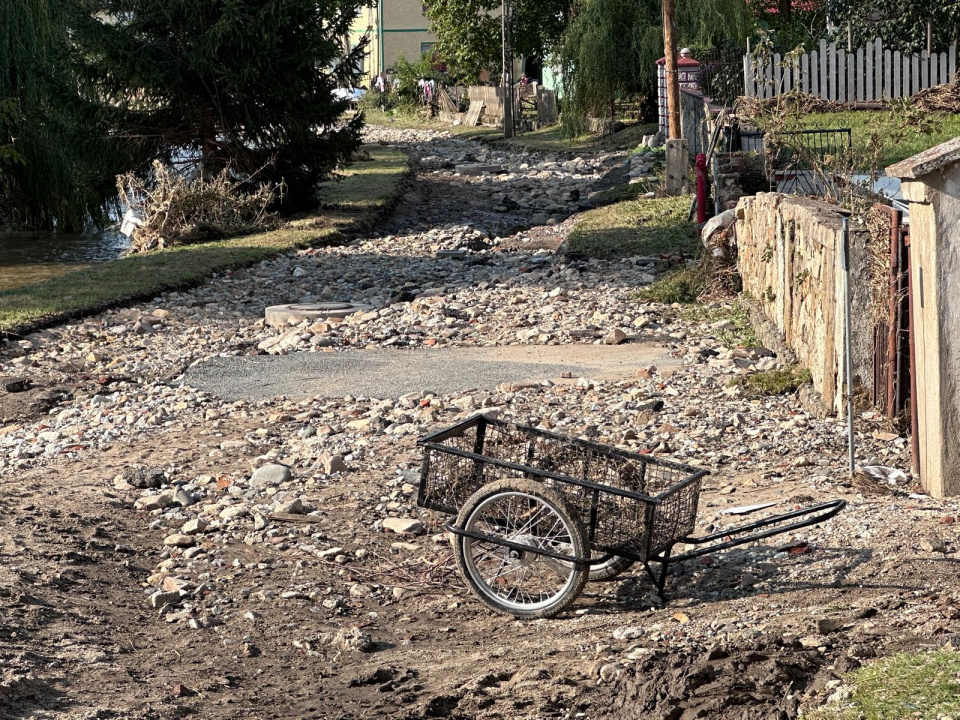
293 314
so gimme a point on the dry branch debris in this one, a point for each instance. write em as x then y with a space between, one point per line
178 210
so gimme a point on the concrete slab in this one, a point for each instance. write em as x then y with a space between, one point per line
389 374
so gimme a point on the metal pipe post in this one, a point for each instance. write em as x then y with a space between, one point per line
507 79
848 343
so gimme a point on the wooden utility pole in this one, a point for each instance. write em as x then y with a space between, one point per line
507 75
673 79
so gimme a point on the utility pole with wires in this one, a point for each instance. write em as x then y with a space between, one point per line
507 76
672 78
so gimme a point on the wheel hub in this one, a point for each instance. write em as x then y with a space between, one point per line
522 558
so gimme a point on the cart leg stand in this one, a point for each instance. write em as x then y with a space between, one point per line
660 579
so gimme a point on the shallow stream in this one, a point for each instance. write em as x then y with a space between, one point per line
28 257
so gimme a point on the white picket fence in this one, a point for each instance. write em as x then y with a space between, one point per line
868 74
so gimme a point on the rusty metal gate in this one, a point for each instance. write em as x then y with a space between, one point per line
893 382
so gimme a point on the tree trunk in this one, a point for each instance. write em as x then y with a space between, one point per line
208 136
672 78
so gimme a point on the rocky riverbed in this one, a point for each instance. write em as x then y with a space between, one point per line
168 552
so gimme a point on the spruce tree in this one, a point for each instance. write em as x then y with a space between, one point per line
244 83
51 164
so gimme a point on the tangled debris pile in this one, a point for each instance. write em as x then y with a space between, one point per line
940 98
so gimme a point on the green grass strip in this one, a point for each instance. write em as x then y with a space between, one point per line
365 190
869 126
650 227
909 685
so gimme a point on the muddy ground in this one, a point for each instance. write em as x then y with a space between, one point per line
386 628
78 639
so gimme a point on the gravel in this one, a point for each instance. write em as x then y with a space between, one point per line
330 446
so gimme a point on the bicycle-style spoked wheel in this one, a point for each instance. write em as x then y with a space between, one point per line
522 583
610 570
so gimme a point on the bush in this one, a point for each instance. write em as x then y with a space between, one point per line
683 285
773 382
403 95
176 210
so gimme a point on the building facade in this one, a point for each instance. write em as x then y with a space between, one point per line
395 28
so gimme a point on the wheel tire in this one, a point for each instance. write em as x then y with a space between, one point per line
610 569
524 585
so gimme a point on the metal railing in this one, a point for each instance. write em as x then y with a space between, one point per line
795 157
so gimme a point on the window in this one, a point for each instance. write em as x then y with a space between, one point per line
426 48
362 64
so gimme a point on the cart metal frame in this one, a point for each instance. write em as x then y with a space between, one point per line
673 508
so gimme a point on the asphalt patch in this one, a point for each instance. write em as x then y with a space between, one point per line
367 373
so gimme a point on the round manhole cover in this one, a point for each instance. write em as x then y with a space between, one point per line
321 307
284 315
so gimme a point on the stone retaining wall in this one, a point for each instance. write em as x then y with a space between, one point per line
790 260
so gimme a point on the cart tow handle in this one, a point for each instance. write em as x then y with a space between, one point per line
812 516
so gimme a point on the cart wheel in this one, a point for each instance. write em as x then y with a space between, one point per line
522 584
610 569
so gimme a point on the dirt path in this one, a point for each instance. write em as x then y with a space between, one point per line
152 569
287 635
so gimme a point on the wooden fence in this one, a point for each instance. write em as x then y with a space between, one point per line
486 104
870 74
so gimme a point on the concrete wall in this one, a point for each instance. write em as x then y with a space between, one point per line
405 29
693 116
935 276
696 120
790 261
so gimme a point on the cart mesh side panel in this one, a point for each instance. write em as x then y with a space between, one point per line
675 517
616 523
452 479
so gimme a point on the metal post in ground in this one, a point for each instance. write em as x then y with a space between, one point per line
507 80
701 188
848 344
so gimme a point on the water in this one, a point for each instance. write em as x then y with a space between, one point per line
28 257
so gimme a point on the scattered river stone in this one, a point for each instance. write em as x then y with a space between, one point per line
272 474
403 526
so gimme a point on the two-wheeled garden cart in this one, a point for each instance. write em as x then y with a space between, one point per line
539 514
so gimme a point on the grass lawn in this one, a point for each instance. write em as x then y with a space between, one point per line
365 188
911 685
864 123
741 335
773 382
652 227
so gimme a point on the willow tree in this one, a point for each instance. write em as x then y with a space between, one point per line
610 48
50 164
241 83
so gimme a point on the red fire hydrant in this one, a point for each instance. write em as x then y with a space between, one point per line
701 188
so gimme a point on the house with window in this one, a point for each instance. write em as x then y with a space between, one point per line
395 28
